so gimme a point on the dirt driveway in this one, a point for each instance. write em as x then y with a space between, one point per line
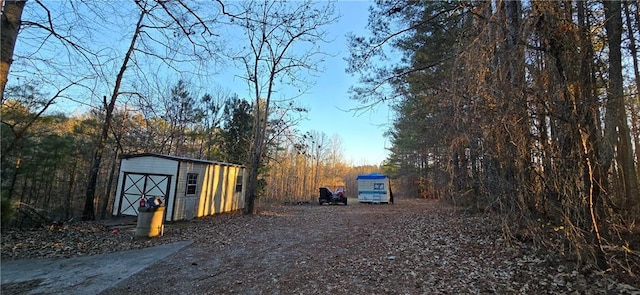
411 247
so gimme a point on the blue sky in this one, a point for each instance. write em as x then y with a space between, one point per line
362 132
328 102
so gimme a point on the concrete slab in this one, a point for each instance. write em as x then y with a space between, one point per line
84 275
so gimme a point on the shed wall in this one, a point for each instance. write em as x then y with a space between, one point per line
219 190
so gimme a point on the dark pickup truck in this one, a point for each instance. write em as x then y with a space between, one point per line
329 197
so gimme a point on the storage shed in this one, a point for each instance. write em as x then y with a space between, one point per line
189 187
374 188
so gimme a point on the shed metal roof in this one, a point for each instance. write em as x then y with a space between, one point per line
177 158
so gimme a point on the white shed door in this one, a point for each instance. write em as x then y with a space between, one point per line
136 185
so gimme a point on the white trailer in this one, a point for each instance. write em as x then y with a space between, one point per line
374 188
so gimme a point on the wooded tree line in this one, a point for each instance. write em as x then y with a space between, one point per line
126 63
311 160
528 109
47 166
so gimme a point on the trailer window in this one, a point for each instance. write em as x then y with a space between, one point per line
192 183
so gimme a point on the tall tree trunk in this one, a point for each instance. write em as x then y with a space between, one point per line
89 211
9 28
112 172
260 133
635 105
256 156
617 129
72 183
586 107
14 177
316 169
252 183
520 121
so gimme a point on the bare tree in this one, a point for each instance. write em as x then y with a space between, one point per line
154 17
282 42
89 211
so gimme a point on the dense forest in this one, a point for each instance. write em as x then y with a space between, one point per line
523 109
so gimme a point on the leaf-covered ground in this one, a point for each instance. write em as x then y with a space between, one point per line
411 247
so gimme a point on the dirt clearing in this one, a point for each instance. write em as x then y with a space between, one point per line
410 247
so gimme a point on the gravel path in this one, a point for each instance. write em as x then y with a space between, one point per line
411 247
